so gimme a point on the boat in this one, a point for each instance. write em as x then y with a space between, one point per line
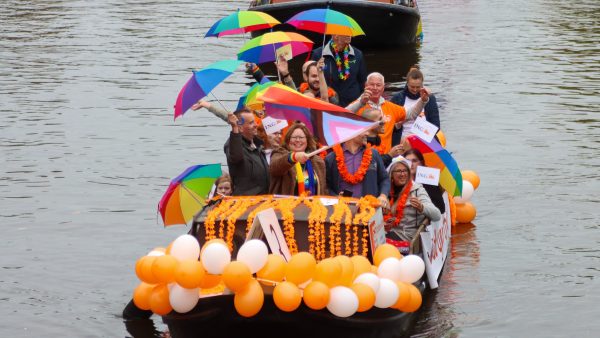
386 23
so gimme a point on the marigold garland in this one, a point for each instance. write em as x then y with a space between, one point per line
401 202
366 209
238 210
316 219
359 175
286 206
213 215
268 203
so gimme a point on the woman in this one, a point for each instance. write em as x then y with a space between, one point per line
290 162
434 191
270 141
222 187
410 204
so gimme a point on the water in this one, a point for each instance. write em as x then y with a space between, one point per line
88 145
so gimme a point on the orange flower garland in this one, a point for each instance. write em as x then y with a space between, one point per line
318 213
238 210
286 206
359 175
265 205
213 215
365 211
401 202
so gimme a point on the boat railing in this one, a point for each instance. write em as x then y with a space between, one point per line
407 3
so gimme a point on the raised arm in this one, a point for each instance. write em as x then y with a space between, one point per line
415 110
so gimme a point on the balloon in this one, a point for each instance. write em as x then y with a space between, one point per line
403 295
329 272
141 295
361 265
467 193
249 302
471 176
254 253
183 300
210 281
369 279
157 252
316 295
365 295
138 267
385 251
300 268
343 302
442 138
415 300
387 294
185 247
215 256
159 300
390 269
189 273
287 296
145 269
465 213
347 275
274 270
164 267
236 276
412 268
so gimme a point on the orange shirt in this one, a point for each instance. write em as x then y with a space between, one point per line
392 114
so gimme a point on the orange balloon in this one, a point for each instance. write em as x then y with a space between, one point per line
465 213
374 269
168 249
366 296
138 267
403 295
189 273
145 270
316 295
415 300
236 276
287 296
141 295
471 176
347 275
210 281
361 265
300 268
274 270
164 267
249 301
159 300
329 271
442 138
385 251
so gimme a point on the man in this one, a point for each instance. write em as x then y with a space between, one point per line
345 69
245 157
374 140
392 113
315 85
348 172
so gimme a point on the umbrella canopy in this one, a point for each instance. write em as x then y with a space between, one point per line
284 95
437 157
202 82
262 48
186 194
242 22
326 21
250 99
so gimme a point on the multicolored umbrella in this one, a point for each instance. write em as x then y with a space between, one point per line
187 193
242 22
202 82
326 21
284 95
262 48
250 99
437 157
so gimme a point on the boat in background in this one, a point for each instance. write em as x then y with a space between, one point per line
386 23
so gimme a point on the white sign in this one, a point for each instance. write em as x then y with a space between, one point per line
328 201
376 230
424 129
426 175
285 51
269 226
435 242
272 125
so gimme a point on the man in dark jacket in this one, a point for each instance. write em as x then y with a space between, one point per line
245 157
348 78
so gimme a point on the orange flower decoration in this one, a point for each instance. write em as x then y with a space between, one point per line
359 175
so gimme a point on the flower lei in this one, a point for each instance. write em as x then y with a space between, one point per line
316 227
286 206
341 211
358 176
366 209
401 202
213 215
238 209
345 74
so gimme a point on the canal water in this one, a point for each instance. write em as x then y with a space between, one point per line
88 145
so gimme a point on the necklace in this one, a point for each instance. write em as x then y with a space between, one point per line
359 175
401 201
345 74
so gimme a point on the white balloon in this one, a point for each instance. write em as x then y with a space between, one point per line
215 257
370 279
155 253
389 268
467 193
343 302
412 268
183 300
254 253
387 295
185 247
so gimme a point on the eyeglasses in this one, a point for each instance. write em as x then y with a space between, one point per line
298 138
400 171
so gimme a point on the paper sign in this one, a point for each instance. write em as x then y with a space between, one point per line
329 201
266 223
427 175
285 51
272 125
424 129
435 242
376 230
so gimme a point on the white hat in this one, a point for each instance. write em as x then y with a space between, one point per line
399 159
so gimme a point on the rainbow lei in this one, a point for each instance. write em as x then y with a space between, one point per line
345 74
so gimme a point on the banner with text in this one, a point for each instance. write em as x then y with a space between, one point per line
435 242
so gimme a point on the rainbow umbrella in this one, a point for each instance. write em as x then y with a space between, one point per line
262 48
242 22
284 95
250 99
202 82
186 195
326 21
437 157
